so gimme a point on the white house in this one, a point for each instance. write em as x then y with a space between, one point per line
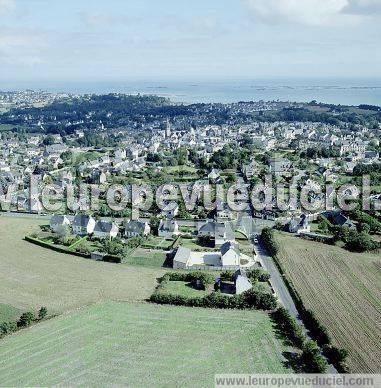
136 228
171 210
230 255
58 221
106 229
83 224
168 228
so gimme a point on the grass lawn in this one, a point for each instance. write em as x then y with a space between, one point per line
194 245
146 258
33 276
141 345
343 289
157 242
182 288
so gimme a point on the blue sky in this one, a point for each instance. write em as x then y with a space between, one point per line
100 40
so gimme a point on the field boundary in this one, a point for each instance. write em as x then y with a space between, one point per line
107 258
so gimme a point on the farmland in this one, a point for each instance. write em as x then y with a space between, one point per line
140 344
343 289
31 276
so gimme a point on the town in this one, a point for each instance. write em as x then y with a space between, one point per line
218 256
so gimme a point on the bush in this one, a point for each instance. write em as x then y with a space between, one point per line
289 326
361 242
8 327
26 319
258 274
312 358
42 313
269 241
227 275
337 356
318 331
247 300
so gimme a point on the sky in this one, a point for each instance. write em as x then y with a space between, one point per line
101 40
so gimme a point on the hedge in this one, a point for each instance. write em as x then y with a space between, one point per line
269 241
254 275
55 247
290 327
247 300
107 258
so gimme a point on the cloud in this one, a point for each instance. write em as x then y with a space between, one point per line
6 5
22 46
313 12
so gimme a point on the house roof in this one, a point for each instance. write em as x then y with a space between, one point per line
168 225
182 255
104 226
135 226
58 219
340 219
227 246
82 220
170 206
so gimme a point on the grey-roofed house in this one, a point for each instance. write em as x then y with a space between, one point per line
135 228
171 210
58 221
105 229
340 219
83 224
230 254
219 231
241 281
182 257
168 228
299 225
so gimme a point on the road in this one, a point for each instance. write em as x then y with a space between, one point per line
276 279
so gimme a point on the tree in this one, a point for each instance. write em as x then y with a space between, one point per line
48 140
8 327
312 359
42 313
114 247
26 319
230 178
63 233
154 224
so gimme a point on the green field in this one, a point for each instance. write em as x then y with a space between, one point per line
33 276
140 345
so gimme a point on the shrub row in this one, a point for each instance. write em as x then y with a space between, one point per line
269 241
54 247
289 326
25 320
254 275
205 278
247 300
311 359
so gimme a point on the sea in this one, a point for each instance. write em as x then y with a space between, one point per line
342 91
